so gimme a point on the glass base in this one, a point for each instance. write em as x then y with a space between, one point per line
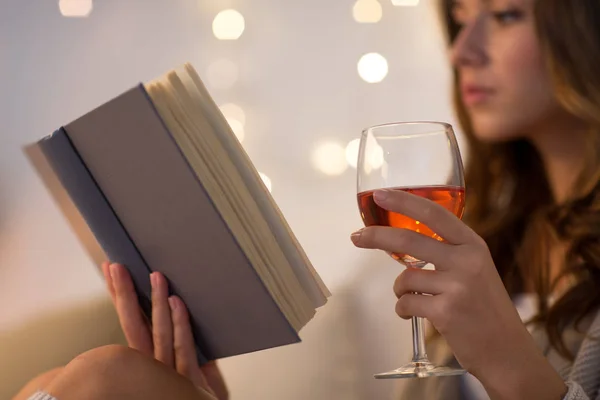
420 369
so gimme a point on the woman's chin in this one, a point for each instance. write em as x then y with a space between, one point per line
494 130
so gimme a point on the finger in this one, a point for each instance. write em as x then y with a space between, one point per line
215 380
130 315
111 289
402 241
162 324
108 279
436 217
186 362
415 280
415 305
208 377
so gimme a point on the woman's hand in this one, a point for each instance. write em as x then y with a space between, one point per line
467 301
169 339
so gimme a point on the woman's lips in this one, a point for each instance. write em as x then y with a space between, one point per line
476 94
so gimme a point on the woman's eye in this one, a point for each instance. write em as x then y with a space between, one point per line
458 14
507 17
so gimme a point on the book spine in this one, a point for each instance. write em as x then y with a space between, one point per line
97 212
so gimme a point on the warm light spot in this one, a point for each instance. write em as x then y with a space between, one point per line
266 180
367 11
374 157
405 2
228 25
330 158
222 74
234 111
237 127
352 152
75 8
372 67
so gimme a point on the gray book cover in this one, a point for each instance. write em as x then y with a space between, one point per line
144 205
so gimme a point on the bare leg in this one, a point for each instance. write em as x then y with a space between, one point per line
120 373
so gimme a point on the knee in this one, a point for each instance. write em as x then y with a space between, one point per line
112 364
110 359
116 372
99 373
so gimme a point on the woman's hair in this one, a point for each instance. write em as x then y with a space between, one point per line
509 201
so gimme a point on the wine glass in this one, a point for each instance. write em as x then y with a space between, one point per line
422 158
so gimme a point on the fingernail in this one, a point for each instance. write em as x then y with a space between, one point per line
355 237
113 271
380 195
172 303
153 279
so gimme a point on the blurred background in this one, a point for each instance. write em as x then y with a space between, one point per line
298 81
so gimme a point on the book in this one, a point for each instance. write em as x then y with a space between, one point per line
156 180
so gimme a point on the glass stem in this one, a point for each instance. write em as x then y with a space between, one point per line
418 330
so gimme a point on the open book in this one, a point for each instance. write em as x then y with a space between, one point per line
155 179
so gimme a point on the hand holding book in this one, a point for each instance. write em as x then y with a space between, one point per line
168 338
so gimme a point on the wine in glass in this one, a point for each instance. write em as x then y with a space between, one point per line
421 158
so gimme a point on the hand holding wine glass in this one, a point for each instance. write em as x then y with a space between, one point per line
411 197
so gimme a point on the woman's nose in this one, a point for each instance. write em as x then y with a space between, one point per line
469 47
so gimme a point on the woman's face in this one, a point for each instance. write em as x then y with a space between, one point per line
504 84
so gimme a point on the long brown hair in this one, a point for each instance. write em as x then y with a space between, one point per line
509 201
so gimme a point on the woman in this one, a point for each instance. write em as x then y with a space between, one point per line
528 96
